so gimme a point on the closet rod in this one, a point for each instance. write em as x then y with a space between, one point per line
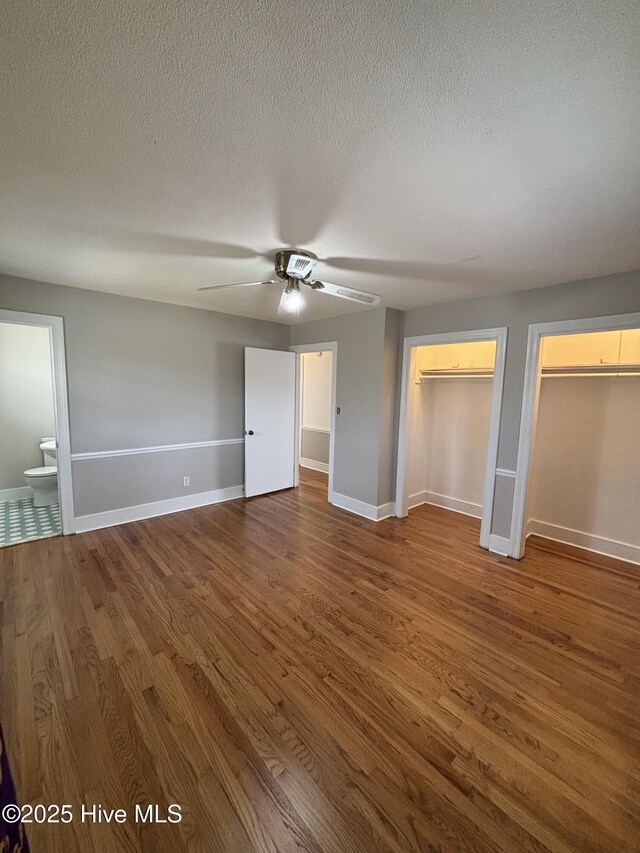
593 370
460 373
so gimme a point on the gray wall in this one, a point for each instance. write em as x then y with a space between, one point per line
121 481
315 445
360 340
143 373
369 373
389 405
614 294
316 374
448 440
585 474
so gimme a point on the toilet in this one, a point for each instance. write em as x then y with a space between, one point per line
44 480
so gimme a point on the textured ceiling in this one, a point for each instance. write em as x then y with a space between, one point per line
429 150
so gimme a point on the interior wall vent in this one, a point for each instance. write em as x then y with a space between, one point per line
357 297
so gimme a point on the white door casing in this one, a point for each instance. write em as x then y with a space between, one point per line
499 335
60 404
529 412
270 420
326 346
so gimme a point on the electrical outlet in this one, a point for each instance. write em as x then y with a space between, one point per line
186 481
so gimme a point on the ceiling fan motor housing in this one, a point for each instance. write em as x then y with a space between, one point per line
294 263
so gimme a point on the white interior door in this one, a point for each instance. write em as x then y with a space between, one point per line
269 420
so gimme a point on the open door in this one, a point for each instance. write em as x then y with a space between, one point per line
270 420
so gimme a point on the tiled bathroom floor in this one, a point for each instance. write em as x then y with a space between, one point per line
21 521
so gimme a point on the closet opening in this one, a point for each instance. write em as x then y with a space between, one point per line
316 414
450 412
583 486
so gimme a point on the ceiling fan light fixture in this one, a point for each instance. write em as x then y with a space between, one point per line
292 298
293 267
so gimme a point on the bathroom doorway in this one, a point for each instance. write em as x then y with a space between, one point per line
316 409
35 469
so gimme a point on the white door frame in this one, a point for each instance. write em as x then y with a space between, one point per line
60 404
326 346
530 399
408 358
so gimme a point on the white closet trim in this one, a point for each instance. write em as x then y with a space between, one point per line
529 411
499 335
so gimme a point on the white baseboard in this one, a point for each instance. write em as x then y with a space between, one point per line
499 545
598 544
16 494
417 500
455 504
373 513
82 523
315 466
387 510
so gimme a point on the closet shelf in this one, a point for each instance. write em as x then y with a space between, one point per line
592 370
459 372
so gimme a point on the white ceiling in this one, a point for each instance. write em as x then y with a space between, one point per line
434 150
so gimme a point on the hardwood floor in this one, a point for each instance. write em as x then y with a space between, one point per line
298 678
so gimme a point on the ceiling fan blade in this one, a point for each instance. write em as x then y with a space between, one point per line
240 284
350 293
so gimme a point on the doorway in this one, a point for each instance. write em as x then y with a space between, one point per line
316 410
449 418
578 473
36 499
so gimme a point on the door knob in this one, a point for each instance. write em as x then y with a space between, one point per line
250 432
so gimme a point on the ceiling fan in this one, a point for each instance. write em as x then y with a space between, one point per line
294 267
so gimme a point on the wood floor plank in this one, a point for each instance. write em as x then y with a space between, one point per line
300 679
